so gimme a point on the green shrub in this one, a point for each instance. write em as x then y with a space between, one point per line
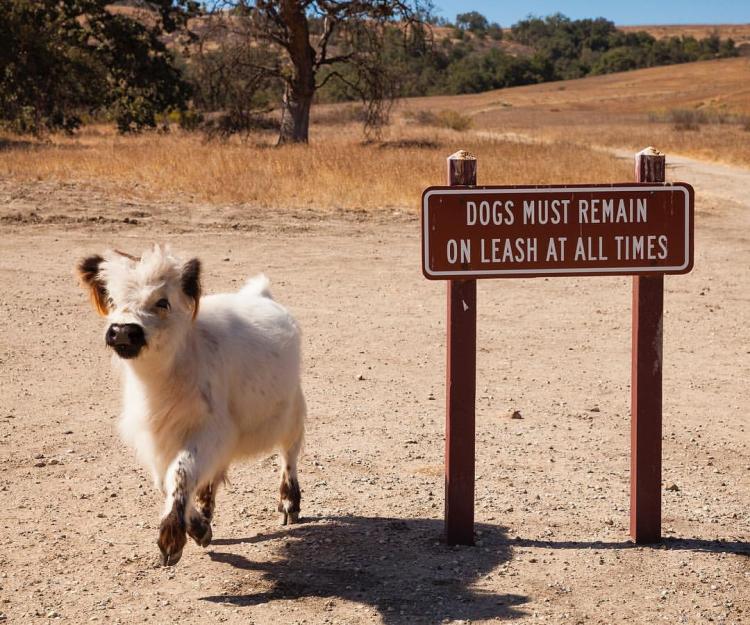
189 119
453 120
447 118
685 119
61 61
693 119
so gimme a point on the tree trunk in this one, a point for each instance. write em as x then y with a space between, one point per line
295 116
300 89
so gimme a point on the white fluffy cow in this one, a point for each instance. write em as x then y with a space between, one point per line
207 380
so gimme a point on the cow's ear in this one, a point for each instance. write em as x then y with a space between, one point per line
88 272
190 280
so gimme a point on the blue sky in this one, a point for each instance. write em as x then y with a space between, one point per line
624 12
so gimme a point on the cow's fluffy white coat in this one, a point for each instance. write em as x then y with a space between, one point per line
235 374
218 379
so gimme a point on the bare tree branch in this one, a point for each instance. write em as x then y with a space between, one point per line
329 26
308 35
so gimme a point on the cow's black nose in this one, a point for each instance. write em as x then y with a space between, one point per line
112 333
126 339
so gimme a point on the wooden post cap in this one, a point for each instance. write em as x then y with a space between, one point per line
462 169
650 151
462 155
650 165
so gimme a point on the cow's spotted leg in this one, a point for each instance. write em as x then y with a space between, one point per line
289 492
195 464
172 537
200 516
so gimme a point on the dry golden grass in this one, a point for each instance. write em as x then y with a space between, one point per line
728 143
722 84
335 171
338 171
616 110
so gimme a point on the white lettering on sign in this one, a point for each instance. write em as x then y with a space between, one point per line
544 212
518 250
588 249
556 249
521 250
498 213
452 251
642 247
603 211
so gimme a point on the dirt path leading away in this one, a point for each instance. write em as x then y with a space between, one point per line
715 180
79 517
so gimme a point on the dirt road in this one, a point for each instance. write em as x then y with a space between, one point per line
80 517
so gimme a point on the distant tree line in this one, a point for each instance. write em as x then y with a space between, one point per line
558 49
577 48
65 61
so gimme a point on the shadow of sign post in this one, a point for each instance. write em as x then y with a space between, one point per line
643 229
395 566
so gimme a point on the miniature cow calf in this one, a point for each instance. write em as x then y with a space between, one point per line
207 380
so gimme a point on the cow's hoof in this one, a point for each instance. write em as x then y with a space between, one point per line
204 539
199 530
289 518
170 559
171 540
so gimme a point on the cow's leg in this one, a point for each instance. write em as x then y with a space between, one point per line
177 483
197 463
289 492
202 513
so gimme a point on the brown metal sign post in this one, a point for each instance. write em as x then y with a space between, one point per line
460 386
646 384
644 229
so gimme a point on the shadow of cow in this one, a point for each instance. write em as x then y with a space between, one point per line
400 567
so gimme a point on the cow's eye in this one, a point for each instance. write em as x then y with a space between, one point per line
163 304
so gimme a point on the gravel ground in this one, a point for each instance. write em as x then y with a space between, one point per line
80 516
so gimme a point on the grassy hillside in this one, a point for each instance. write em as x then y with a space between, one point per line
699 108
722 84
545 133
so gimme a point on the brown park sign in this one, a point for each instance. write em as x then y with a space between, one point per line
506 232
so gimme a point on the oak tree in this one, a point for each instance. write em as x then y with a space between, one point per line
61 59
317 41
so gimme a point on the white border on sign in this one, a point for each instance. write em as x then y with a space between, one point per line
521 272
